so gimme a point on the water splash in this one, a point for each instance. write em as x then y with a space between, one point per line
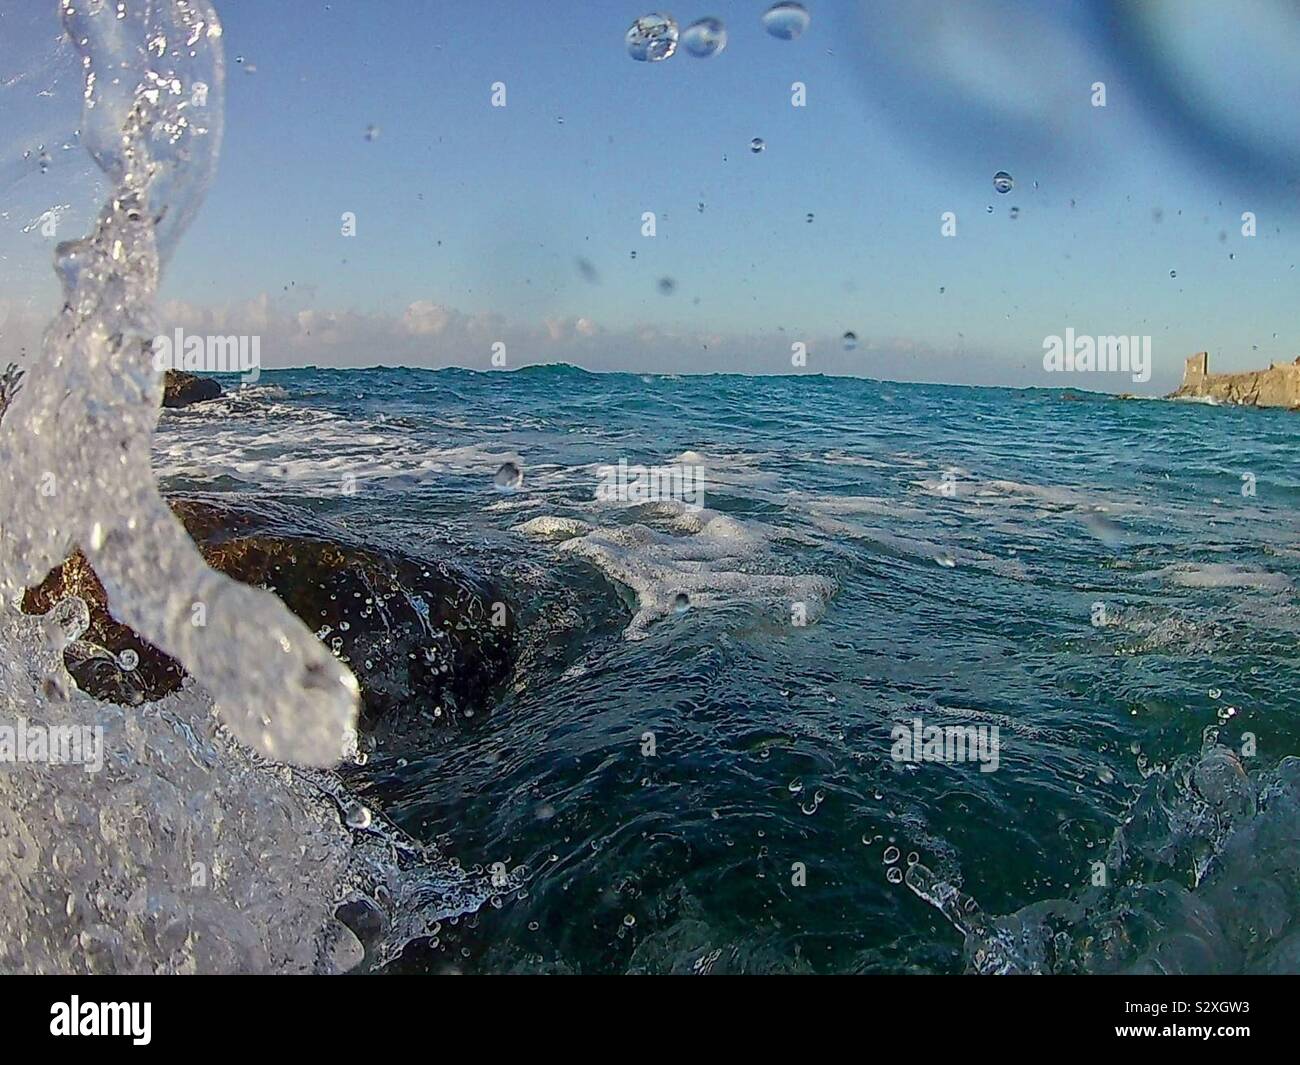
177 849
75 443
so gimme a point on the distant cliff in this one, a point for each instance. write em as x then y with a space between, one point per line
1278 386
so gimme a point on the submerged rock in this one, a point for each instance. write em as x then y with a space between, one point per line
180 389
1278 386
419 633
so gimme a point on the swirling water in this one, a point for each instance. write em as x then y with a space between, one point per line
711 788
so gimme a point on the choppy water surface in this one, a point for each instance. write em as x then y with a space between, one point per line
950 546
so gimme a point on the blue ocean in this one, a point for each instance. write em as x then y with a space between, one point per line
726 743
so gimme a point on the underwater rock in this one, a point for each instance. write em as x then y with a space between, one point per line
180 389
1278 386
419 633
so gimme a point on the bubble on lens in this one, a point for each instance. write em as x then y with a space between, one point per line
786 20
849 340
509 477
705 37
1003 182
652 38
757 145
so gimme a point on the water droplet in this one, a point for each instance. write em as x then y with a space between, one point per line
850 340
128 660
757 145
509 477
629 921
705 38
786 20
895 875
1215 693
891 855
67 620
1173 273
1003 182
809 218
652 38
682 603
1014 213
795 786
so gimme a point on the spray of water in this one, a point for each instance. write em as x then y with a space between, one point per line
189 844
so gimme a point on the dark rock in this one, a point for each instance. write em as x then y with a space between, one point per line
10 380
417 633
180 389
93 660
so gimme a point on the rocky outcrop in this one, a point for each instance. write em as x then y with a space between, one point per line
1278 386
180 389
417 633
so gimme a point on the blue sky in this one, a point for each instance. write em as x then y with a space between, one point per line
476 216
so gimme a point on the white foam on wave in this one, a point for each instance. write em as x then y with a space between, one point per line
1223 575
713 559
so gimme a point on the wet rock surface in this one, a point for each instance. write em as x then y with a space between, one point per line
180 389
419 634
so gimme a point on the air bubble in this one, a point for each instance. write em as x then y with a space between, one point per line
849 340
757 145
682 603
1003 182
128 660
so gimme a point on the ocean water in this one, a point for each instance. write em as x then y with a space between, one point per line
692 766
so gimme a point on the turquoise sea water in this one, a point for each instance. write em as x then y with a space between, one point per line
702 784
